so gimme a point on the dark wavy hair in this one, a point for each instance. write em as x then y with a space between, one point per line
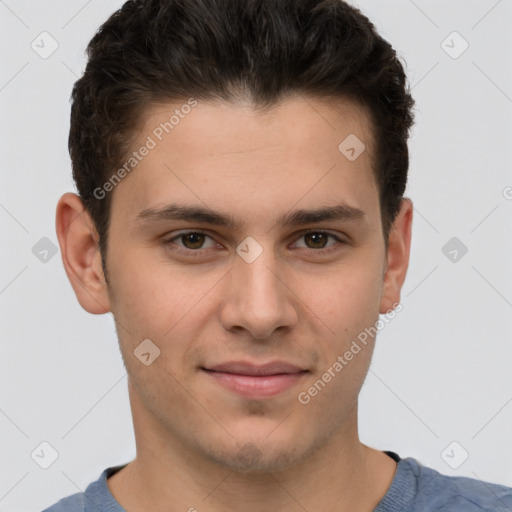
153 51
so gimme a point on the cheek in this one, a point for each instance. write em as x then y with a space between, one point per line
351 310
347 299
144 298
153 299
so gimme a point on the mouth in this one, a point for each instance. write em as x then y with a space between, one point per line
256 381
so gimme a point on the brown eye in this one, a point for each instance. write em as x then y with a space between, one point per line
191 243
192 240
317 239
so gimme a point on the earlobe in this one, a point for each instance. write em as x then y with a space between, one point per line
397 257
78 241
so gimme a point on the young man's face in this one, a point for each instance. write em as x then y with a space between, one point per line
284 297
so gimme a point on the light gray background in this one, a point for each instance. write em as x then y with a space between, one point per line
441 371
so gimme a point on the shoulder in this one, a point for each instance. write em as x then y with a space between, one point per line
443 493
73 503
96 498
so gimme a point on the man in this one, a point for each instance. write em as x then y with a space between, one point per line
241 167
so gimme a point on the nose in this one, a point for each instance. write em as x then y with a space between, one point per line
259 297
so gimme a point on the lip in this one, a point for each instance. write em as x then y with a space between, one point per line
256 380
247 368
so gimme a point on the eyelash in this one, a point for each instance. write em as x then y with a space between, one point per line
199 252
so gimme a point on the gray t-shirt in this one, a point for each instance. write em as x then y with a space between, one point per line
415 488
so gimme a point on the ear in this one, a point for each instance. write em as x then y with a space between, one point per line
78 241
397 257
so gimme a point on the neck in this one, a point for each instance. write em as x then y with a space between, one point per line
341 475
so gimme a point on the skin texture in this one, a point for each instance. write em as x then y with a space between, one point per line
198 444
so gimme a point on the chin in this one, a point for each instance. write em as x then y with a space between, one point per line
259 457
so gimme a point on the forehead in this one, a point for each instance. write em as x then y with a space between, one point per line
219 127
231 156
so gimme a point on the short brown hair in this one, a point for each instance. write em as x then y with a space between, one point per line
153 51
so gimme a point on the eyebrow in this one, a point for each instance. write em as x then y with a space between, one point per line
188 213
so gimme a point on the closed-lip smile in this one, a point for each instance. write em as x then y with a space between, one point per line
254 380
